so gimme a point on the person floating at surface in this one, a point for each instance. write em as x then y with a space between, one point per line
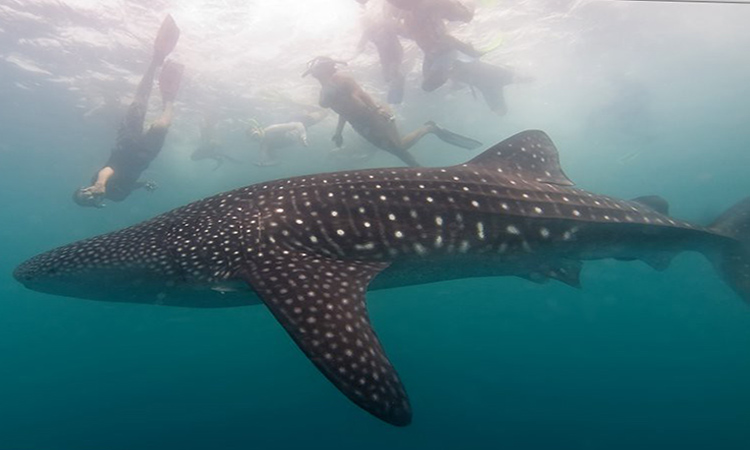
447 58
135 149
210 147
439 47
382 30
372 121
281 135
489 79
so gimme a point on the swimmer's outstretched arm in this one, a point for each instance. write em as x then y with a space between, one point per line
100 185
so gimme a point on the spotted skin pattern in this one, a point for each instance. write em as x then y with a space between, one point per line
308 248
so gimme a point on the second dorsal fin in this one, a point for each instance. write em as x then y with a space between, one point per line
529 154
654 202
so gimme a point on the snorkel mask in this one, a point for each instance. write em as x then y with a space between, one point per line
321 64
82 197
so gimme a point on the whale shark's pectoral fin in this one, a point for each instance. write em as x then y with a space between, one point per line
528 154
321 304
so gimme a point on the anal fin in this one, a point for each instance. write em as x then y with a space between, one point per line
321 304
568 272
564 271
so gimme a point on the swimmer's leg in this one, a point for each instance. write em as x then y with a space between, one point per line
131 127
412 138
489 79
495 99
395 78
406 157
153 139
396 89
407 142
166 39
435 71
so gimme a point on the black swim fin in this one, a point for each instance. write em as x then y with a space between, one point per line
453 138
166 39
170 79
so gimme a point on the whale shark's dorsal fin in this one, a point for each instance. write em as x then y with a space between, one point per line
321 304
529 154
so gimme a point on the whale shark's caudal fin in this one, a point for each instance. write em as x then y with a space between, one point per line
527 154
733 263
321 304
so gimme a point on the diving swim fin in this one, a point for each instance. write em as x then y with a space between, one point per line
169 80
492 45
166 39
453 138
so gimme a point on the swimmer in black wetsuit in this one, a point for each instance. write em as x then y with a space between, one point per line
448 58
135 149
426 26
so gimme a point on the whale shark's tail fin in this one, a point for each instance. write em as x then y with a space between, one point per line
733 262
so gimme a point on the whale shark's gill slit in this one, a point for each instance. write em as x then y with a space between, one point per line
321 304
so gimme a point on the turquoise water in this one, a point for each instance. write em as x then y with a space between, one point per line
639 101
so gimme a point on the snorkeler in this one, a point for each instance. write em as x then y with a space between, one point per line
382 31
488 79
135 149
210 147
372 121
440 48
281 135
448 58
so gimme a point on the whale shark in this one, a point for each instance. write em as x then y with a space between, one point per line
310 247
